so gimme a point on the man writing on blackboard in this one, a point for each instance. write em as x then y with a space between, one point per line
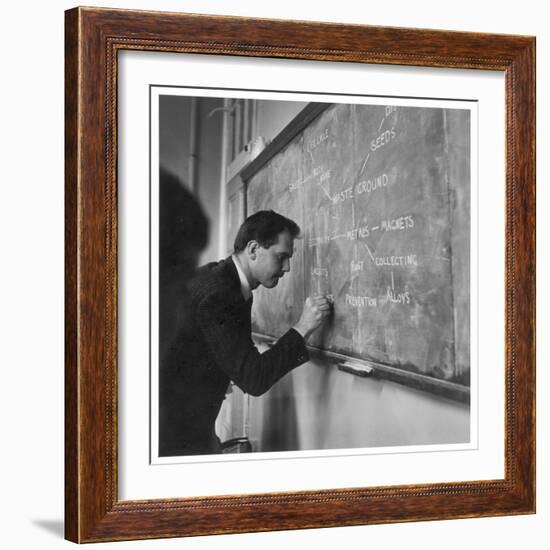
218 347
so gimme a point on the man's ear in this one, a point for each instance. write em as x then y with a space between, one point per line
252 249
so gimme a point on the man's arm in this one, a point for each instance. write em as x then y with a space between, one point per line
226 331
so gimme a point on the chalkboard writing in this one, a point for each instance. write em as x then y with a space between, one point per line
382 196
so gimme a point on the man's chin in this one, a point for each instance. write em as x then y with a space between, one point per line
272 282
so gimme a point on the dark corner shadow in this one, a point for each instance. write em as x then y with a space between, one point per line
54 526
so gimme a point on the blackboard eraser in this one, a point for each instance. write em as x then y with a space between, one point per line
356 368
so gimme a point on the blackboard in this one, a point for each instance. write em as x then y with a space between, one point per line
382 194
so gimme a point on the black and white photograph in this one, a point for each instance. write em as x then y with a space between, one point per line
313 274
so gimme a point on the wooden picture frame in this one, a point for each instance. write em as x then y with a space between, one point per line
93 511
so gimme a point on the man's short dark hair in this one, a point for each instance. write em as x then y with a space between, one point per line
264 227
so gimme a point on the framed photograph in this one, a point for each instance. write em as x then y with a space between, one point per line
300 275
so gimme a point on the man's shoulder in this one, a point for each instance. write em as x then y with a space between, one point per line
215 278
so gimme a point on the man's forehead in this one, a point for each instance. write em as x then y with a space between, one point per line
285 243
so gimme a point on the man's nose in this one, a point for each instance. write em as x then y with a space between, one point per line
286 266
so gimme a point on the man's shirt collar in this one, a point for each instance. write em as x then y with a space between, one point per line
245 285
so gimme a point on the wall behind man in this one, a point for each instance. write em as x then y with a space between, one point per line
273 116
31 225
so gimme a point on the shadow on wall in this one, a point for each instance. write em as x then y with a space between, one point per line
183 234
281 432
55 527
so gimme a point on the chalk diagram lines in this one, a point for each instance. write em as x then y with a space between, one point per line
361 231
